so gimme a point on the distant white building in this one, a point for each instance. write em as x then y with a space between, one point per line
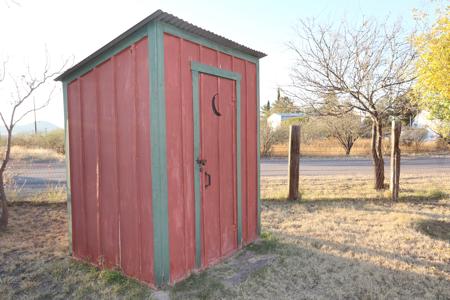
422 120
275 120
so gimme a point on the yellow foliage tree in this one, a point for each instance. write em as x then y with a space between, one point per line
433 68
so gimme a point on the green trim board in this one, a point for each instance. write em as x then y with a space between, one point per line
238 161
125 43
207 69
196 69
197 193
170 29
158 154
67 162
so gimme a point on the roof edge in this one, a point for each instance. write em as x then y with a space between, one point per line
167 18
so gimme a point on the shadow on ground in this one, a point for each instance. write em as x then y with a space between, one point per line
435 229
291 260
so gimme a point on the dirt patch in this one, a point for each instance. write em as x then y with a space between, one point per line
243 265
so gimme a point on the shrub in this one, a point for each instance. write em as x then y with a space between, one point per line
270 137
414 137
53 140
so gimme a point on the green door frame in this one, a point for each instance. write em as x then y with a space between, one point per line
197 69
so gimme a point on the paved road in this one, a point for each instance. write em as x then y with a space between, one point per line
356 166
33 177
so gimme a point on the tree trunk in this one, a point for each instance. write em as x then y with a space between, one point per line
3 204
3 201
377 152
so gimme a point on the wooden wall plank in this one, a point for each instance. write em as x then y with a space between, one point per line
108 183
90 162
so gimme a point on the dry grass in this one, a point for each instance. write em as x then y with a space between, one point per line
342 241
51 194
34 154
332 188
34 262
330 147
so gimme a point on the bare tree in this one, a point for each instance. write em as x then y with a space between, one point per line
368 67
24 87
346 129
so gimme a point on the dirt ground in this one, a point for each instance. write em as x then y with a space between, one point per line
330 248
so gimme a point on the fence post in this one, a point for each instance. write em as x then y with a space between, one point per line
394 185
294 161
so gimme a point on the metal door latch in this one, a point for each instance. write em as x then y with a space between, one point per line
201 163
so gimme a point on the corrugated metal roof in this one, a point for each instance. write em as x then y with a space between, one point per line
162 16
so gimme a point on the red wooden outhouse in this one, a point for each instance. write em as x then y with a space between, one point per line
162 150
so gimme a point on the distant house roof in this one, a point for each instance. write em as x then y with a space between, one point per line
287 115
162 16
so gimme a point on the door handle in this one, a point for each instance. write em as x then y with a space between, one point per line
208 179
213 104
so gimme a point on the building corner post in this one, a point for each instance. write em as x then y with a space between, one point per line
67 163
158 153
258 151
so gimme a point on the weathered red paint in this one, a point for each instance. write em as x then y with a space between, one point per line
110 164
110 160
239 67
178 54
79 244
109 182
218 176
251 157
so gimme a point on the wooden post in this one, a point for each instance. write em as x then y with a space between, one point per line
394 185
294 161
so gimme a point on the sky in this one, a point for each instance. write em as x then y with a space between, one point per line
74 29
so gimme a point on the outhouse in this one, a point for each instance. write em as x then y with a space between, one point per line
162 150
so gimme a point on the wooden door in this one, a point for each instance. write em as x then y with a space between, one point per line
218 173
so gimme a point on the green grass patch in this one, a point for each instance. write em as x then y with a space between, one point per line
267 243
200 286
113 277
96 281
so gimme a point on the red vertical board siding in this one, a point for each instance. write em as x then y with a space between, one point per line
208 56
189 51
211 247
239 67
108 184
178 55
210 226
109 115
143 160
252 176
90 162
129 209
79 241
174 154
226 139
